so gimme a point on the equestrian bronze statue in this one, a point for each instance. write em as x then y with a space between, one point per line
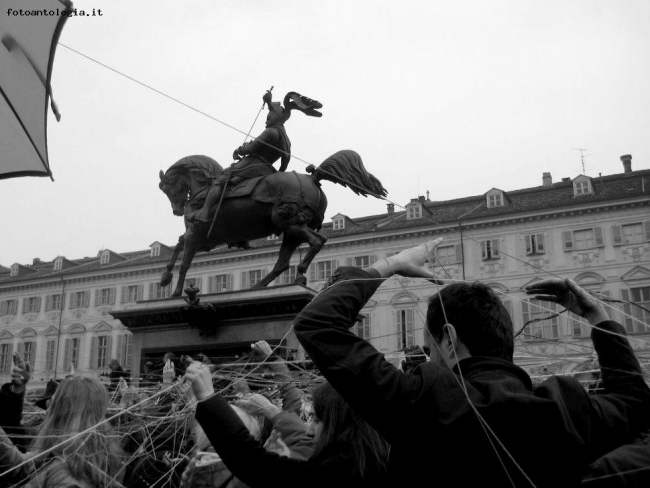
251 200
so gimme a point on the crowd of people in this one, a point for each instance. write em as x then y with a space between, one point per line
458 412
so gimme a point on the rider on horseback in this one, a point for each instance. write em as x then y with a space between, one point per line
256 158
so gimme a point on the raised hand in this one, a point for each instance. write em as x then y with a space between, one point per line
199 375
257 404
275 444
169 373
21 372
262 348
410 262
568 294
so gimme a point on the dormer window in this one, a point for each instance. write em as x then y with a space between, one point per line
155 250
14 270
582 186
104 257
495 200
58 264
338 224
414 211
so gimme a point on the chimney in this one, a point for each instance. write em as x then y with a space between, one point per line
627 163
547 181
391 208
421 198
36 261
428 196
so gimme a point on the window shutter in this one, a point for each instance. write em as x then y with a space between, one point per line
86 298
140 292
129 345
349 261
567 238
508 306
495 248
312 271
111 296
123 295
24 306
646 228
109 349
617 237
484 254
372 259
62 302
121 356
98 294
48 303
529 244
152 291
540 243
335 264
244 280
607 305
525 316
197 283
228 282
627 311
93 353
264 272
21 349
38 304
458 250
211 280
598 236
66 354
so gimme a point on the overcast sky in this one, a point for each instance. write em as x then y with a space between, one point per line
450 97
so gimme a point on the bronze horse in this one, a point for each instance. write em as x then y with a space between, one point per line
284 203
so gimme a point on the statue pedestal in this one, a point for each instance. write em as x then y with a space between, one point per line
235 320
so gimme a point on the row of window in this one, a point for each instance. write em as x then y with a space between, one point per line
540 317
581 239
100 352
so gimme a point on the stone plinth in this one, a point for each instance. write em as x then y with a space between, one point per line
235 320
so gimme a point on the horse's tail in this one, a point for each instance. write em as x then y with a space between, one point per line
346 168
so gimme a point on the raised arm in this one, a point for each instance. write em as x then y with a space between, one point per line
618 415
291 395
243 455
373 386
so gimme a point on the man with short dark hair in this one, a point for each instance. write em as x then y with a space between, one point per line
470 416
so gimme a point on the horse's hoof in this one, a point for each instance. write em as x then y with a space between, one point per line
166 278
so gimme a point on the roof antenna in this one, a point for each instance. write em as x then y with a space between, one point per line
582 157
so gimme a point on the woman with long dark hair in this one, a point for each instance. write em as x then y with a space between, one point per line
348 451
74 446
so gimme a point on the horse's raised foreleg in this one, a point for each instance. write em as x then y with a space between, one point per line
316 242
166 277
191 246
289 245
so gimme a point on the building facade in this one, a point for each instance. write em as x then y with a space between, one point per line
595 231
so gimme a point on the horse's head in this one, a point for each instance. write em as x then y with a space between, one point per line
176 190
186 178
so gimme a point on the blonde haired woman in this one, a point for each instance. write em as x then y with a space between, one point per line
74 446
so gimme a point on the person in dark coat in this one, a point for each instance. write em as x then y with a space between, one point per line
470 416
12 396
348 452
